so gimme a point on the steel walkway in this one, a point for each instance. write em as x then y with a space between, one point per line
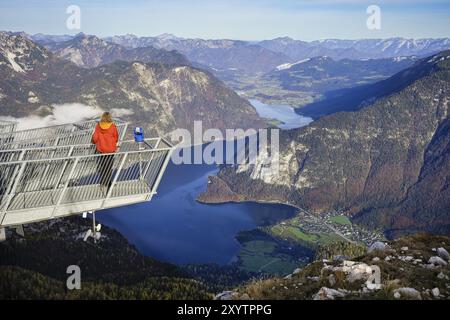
41 183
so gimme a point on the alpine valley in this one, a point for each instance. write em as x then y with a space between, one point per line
386 165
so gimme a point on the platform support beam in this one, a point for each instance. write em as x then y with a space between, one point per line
94 227
19 230
94 232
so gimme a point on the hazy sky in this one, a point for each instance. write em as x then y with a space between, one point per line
245 19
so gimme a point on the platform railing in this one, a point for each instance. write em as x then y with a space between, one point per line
54 136
43 184
70 150
57 130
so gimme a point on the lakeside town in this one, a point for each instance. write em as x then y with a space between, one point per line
341 225
325 228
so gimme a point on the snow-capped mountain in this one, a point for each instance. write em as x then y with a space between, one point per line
221 54
264 56
45 39
286 66
356 49
90 51
19 54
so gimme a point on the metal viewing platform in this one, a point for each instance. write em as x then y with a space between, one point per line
42 183
35 188
58 135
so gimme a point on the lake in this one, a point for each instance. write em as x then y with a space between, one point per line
284 113
174 227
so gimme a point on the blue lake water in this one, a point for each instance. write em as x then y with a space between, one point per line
174 227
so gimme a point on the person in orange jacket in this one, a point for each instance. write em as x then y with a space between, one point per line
105 138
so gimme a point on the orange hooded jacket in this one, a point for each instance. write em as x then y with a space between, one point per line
105 137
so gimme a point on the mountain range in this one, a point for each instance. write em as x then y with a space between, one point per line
264 56
289 50
356 49
354 98
90 51
222 54
160 95
214 54
278 71
386 164
322 74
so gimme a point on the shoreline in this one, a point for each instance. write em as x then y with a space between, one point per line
249 201
220 180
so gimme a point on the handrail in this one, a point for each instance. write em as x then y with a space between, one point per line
92 146
25 134
66 146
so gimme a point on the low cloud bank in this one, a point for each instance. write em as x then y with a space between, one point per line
61 113
121 112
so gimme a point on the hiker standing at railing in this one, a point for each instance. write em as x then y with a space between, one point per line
105 139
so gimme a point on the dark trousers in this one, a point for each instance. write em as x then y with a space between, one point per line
105 169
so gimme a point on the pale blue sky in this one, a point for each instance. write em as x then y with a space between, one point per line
245 19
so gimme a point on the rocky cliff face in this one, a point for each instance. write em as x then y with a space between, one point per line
387 163
167 97
160 97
